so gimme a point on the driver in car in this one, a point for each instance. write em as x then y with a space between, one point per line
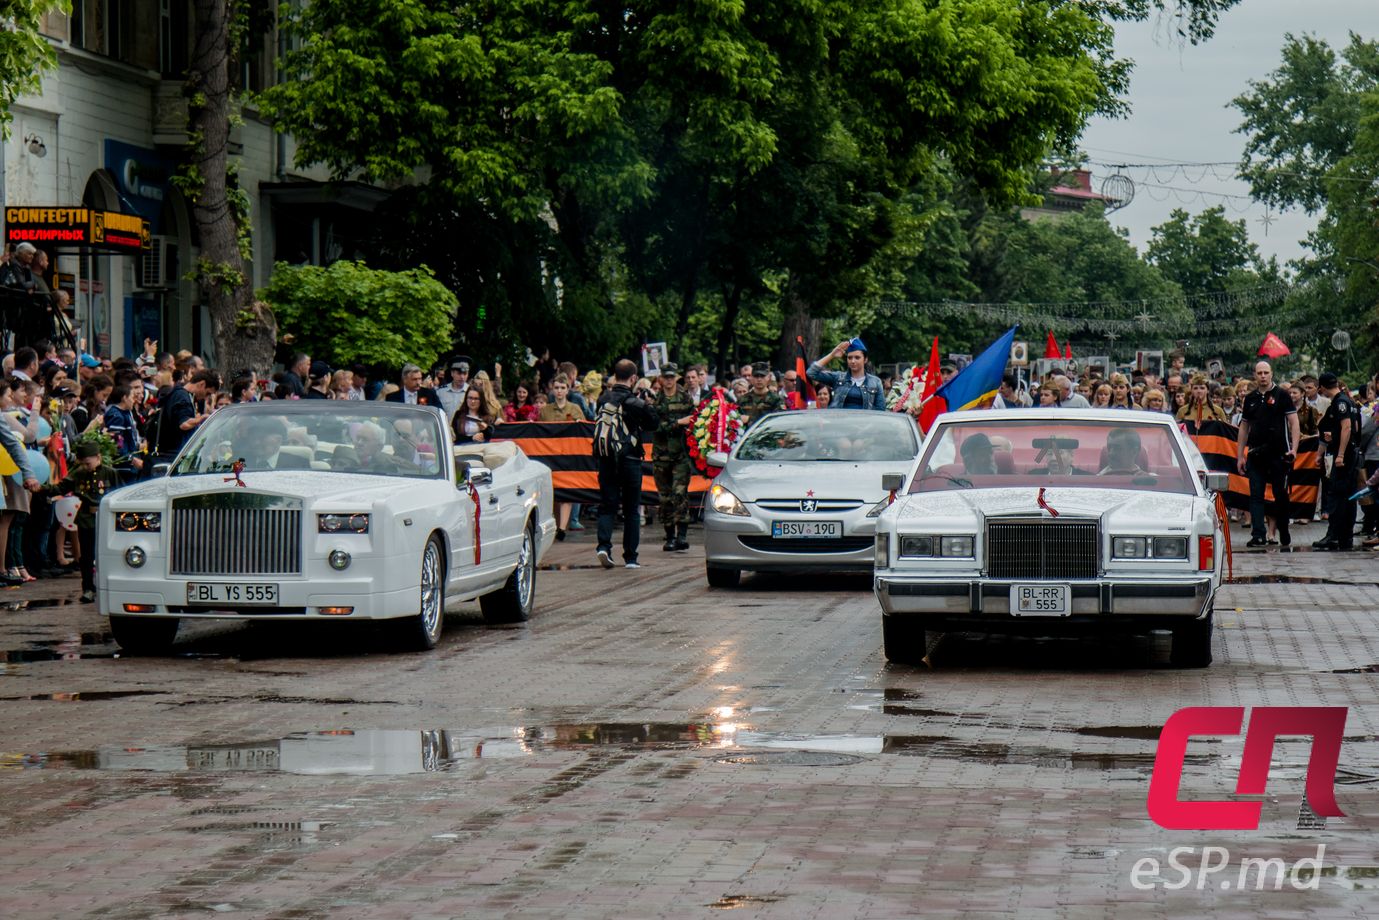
1123 454
978 456
263 448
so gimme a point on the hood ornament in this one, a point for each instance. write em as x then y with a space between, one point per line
235 469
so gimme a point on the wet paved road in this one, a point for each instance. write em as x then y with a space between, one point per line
646 747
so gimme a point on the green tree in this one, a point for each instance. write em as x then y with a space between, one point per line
24 53
354 314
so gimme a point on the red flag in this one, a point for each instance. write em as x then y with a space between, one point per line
932 373
932 408
1273 347
1068 351
1051 348
804 386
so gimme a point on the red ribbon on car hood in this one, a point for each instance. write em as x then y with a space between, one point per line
1045 505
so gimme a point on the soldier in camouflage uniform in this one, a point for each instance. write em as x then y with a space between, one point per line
762 398
670 457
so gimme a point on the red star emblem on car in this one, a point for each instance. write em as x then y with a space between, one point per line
810 493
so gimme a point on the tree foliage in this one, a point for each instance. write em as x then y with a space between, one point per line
356 314
24 53
620 164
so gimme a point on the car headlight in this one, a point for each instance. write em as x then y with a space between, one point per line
916 546
879 507
956 547
339 560
725 502
139 521
134 557
1129 548
1170 547
342 523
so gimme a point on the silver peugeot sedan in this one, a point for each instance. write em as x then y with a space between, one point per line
802 490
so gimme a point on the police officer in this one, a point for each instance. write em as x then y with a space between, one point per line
670 461
1340 432
1265 449
762 398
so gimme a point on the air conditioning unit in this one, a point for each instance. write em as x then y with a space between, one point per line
158 268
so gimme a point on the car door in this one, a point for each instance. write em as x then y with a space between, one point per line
471 572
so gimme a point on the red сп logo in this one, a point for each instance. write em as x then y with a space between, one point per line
1325 725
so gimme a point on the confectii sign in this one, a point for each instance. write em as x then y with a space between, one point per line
81 227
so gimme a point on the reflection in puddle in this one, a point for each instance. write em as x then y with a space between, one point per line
1292 580
1367 669
398 751
37 603
86 696
71 647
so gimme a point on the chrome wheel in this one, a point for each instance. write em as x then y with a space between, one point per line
526 571
431 600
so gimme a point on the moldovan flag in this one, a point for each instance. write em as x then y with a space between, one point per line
975 386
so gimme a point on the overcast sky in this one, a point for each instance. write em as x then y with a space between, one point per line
1179 97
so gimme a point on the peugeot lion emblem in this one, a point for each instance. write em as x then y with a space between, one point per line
809 505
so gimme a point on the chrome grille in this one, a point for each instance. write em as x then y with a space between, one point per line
228 534
1042 549
825 505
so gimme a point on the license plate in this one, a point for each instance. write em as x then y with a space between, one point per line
240 595
236 758
807 529
1041 600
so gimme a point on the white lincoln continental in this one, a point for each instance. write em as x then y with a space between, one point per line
324 509
1049 521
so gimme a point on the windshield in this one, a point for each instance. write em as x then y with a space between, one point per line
330 436
859 437
1117 454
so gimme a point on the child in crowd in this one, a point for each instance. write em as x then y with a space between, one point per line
89 481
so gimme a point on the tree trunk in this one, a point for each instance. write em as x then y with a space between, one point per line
732 302
797 321
244 334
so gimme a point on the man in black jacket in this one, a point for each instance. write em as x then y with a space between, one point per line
179 416
413 393
620 478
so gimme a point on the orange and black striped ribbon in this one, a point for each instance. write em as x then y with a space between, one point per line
1217 443
568 449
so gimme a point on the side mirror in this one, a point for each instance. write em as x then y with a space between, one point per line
478 476
160 469
717 458
1218 482
892 482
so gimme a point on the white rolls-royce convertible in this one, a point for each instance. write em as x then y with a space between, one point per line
324 510
1051 521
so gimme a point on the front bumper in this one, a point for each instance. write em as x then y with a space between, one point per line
736 542
973 599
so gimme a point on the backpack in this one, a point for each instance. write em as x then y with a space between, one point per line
612 439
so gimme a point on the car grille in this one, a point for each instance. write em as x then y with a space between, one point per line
1042 549
808 545
229 534
823 505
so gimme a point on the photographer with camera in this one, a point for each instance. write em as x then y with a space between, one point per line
620 426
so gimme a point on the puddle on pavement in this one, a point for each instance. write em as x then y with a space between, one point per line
1295 580
37 603
734 901
1140 732
1367 669
72 647
567 566
399 751
86 696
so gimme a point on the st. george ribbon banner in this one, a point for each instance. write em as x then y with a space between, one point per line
568 449
1217 443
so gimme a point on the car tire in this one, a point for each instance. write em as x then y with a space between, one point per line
1192 643
144 635
721 577
422 630
904 641
513 602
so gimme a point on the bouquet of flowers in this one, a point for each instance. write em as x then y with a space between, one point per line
716 425
907 392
